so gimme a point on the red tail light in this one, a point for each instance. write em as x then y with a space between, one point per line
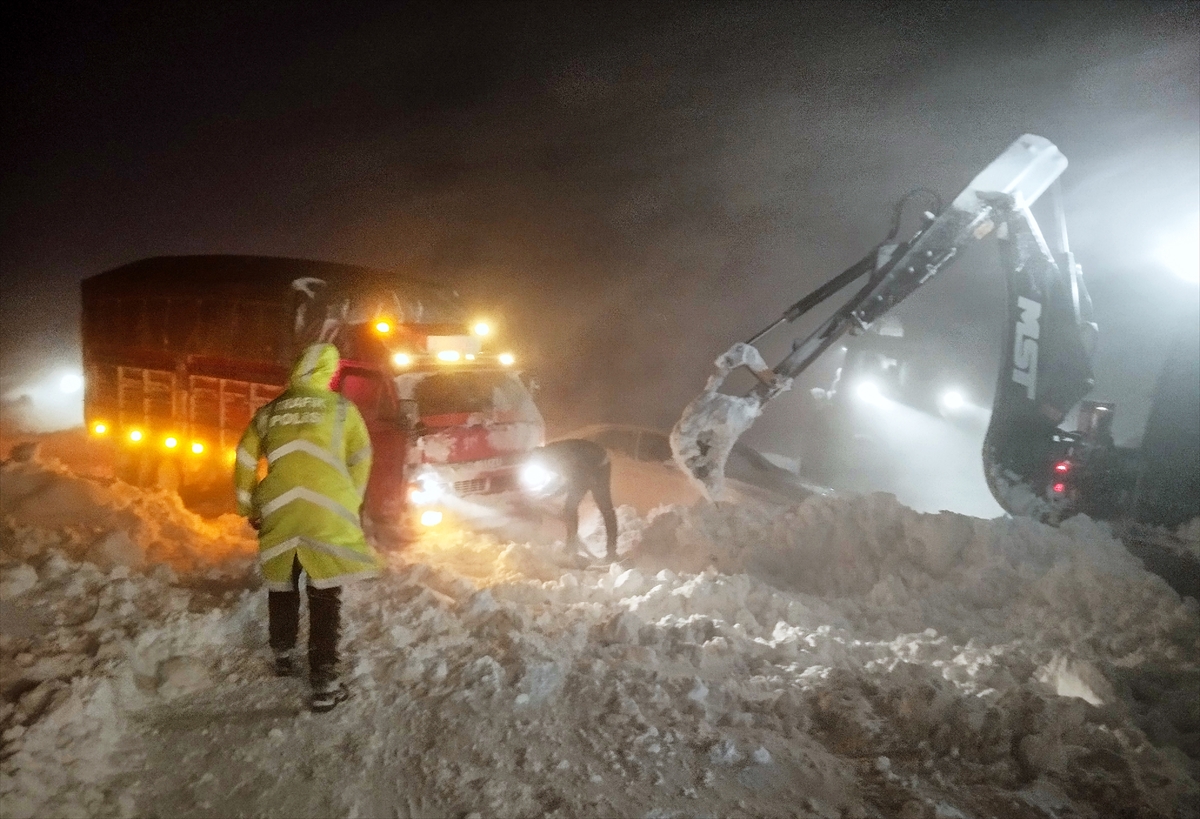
1062 468
1059 488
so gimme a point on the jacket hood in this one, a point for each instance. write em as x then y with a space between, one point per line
315 367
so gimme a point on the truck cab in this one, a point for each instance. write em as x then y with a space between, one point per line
449 421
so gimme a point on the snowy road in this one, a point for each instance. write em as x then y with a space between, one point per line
844 657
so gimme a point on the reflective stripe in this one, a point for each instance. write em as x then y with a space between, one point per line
246 459
310 448
339 423
357 457
342 579
279 548
332 549
304 493
245 497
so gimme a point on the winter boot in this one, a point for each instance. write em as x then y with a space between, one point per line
327 692
285 664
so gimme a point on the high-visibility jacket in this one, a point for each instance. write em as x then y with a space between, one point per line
318 458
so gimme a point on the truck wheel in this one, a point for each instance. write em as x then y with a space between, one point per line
133 467
167 475
125 469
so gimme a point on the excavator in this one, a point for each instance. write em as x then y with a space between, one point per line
1033 467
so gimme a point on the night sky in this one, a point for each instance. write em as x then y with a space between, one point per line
632 187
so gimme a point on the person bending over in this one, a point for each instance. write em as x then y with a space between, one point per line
577 466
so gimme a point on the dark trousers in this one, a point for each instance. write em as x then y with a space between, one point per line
599 483
324 622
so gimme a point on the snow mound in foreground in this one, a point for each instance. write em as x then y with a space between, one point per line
843 658
111 523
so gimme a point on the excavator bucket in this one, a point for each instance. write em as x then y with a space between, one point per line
711 424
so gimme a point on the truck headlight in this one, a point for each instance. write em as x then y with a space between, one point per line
869 392
427 488
536 478
952 400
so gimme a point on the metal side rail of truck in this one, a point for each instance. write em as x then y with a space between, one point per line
179 352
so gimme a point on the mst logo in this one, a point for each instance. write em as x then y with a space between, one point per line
1025 346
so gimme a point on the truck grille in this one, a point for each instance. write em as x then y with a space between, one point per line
481 486
475 486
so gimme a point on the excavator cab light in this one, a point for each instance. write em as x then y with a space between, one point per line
507 359
481 328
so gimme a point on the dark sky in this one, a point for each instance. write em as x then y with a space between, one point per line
635 187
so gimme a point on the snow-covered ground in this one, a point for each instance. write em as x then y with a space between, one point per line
846 657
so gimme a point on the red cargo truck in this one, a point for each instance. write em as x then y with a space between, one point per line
180 351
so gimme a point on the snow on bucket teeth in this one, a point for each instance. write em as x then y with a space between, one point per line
712 423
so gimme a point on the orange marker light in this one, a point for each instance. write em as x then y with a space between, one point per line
171 442
100 429
197 447
383 327
135 435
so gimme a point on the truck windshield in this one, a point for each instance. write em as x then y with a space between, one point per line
466 392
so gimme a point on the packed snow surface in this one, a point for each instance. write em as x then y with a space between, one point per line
844 657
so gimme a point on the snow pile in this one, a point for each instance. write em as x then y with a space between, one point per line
82 647
1187 539
112 523
841 658
902 569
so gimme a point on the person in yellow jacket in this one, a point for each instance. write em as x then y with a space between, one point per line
307 512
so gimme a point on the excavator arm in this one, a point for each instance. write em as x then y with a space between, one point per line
1046 367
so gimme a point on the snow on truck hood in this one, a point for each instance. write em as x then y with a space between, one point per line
841 657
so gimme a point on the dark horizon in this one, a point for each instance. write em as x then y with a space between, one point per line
634 187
